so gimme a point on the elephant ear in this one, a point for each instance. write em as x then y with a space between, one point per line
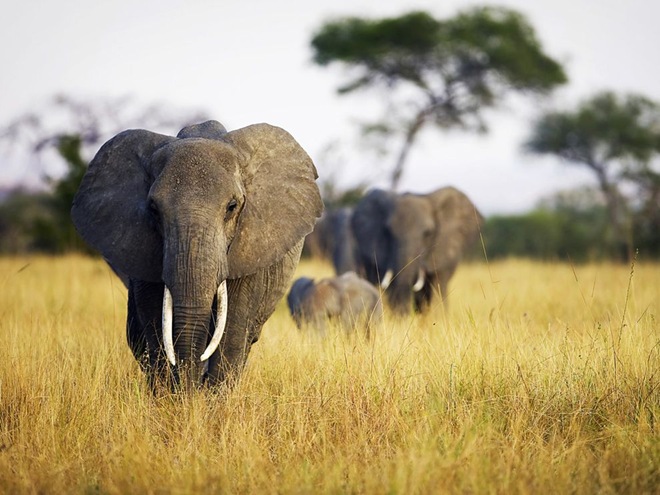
282 200
110 209
457 225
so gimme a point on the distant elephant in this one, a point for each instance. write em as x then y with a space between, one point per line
207 228
348 299
332 239
412 243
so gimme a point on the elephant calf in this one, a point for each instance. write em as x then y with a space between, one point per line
348 299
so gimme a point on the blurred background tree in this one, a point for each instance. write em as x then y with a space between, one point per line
446 72
618 138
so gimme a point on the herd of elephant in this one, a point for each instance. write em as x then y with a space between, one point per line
206 229
408 245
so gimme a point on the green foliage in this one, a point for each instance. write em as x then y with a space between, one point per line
41 221
570 225
64 190
25 220
395 49
463 50
603 129
533 235
646 217
618 138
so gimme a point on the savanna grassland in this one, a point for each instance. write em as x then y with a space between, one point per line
541 378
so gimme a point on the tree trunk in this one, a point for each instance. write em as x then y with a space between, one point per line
621 247
411 135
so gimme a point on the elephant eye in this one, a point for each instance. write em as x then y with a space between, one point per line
153 209
231 207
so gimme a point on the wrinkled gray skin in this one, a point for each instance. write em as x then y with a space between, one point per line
417 237
348 299
190 212
332 239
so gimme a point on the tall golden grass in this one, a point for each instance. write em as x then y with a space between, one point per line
541 377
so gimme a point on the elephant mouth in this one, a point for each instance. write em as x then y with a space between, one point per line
417 286
220 323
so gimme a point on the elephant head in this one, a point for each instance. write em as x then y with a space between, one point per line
185 215
411 244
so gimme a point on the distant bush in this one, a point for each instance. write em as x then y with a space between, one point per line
27 223
547 234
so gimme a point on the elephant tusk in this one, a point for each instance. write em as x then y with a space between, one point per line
387 279
220 322
167 326
420 282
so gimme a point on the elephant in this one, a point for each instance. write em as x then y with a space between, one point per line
346 298
411 244
332 239
207 229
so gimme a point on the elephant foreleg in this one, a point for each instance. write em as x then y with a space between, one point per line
135 333
144 331
423 297
252 300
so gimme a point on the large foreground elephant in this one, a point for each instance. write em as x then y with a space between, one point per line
207 228
411 244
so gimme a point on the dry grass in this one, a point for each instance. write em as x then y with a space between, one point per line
542 378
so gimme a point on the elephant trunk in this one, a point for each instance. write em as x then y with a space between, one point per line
192 327
400 290
218 329
190 334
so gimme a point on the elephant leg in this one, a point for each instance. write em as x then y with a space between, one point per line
146 304
252 300
135 332
422 298
443 282
227 362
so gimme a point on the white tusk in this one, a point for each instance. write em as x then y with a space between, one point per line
420 282
387 279
167 326
220 321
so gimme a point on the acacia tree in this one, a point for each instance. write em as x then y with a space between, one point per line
618 139
444 72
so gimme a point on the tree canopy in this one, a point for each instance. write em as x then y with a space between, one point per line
450 70
606 130
618 138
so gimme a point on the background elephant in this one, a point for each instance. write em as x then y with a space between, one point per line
207 228
332 239
351 300
411 244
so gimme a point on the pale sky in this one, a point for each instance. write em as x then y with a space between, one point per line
250 61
